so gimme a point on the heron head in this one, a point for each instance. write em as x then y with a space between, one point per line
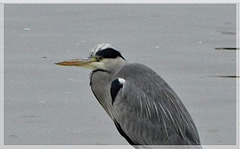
103 56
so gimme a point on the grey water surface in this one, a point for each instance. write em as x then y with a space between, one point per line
193 47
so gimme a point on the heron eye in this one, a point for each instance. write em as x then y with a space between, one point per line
98 59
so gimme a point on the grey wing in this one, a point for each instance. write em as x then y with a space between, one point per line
150 114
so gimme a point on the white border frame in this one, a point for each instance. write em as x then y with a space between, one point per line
2 2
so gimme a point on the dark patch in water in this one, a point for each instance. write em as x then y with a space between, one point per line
227 76
227 32
44 57
226 48
31 118
13 136
29 121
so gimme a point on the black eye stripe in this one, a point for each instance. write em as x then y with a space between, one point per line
109 53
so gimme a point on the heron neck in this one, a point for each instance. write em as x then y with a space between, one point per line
100 82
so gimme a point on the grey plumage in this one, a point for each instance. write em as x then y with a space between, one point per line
146 101
144 108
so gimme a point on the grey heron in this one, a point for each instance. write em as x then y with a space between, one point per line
143 107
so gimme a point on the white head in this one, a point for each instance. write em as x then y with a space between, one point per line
103 56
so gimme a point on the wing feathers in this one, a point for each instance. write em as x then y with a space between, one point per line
149 105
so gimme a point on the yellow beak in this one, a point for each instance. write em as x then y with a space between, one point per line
78 62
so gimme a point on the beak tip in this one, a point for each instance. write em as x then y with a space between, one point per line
59 63
63 63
